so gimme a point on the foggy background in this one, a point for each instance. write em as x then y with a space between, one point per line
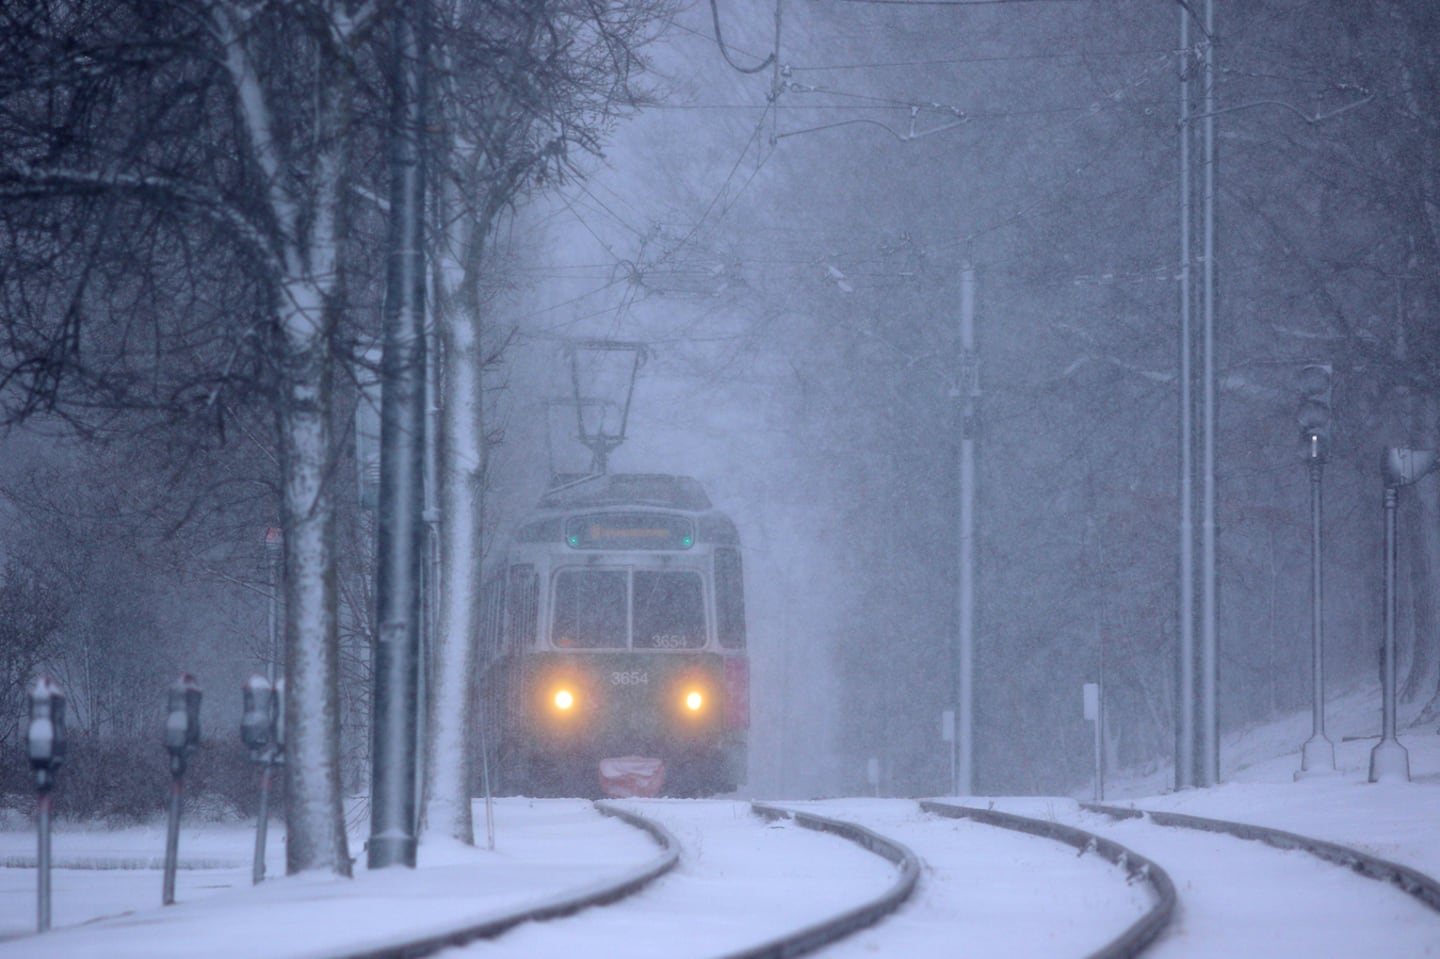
792 256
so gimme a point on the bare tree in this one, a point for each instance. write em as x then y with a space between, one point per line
32 613
523 86
167 149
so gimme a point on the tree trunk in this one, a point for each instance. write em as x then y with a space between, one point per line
448 774
314 817
307 234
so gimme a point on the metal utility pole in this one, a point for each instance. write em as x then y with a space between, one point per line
430 578
969 394
401 536
1390 761
1317 755
1208 771
1185 653
1197 728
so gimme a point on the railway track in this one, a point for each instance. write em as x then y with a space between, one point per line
849 879
612 889
750 888
1228 875
754 882
1412 882
1134 938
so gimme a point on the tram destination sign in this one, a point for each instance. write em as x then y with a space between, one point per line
629 531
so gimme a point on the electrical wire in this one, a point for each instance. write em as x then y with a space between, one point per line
744 152
954 61
720 42
960 3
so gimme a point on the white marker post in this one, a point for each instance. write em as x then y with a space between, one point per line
947 735
1092 713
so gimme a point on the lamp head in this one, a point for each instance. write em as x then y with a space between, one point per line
1316 410
1402 466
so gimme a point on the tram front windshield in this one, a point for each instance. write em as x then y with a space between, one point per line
591 607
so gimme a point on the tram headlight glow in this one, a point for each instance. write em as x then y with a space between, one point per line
694 701
563 699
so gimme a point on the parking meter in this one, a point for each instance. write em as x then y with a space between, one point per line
45 736
257 723
262 728
182 733
182 723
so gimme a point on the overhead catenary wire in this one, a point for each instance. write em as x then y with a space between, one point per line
720 42
959 3
959 61
928 62
635 270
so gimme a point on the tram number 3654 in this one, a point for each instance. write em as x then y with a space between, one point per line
629 677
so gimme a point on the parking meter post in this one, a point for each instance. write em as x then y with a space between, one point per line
172 843
182 733
257 873
45 744
42 861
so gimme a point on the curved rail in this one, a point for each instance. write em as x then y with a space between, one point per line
1137 868
852 920
564 905
1410 881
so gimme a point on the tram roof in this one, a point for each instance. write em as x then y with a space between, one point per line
627 489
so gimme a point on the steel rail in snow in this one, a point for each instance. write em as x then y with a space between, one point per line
852 920
1141 933
600 894
1411 881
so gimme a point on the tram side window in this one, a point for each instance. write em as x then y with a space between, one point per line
522 597
492 612
669 610
729 599
589 609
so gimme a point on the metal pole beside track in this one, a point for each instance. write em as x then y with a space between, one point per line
401 535
965 593
1185 652
1208 773
1389 761
1318 752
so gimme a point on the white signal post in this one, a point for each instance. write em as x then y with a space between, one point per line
1091 692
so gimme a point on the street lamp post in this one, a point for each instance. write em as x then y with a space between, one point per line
1389 761
1318 753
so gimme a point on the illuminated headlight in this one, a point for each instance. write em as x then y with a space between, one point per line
563 699
694 701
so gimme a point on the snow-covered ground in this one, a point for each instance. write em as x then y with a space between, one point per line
741 880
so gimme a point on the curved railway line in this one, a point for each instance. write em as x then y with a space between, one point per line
611 890
1412 882
1135 938
856 878
839 920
